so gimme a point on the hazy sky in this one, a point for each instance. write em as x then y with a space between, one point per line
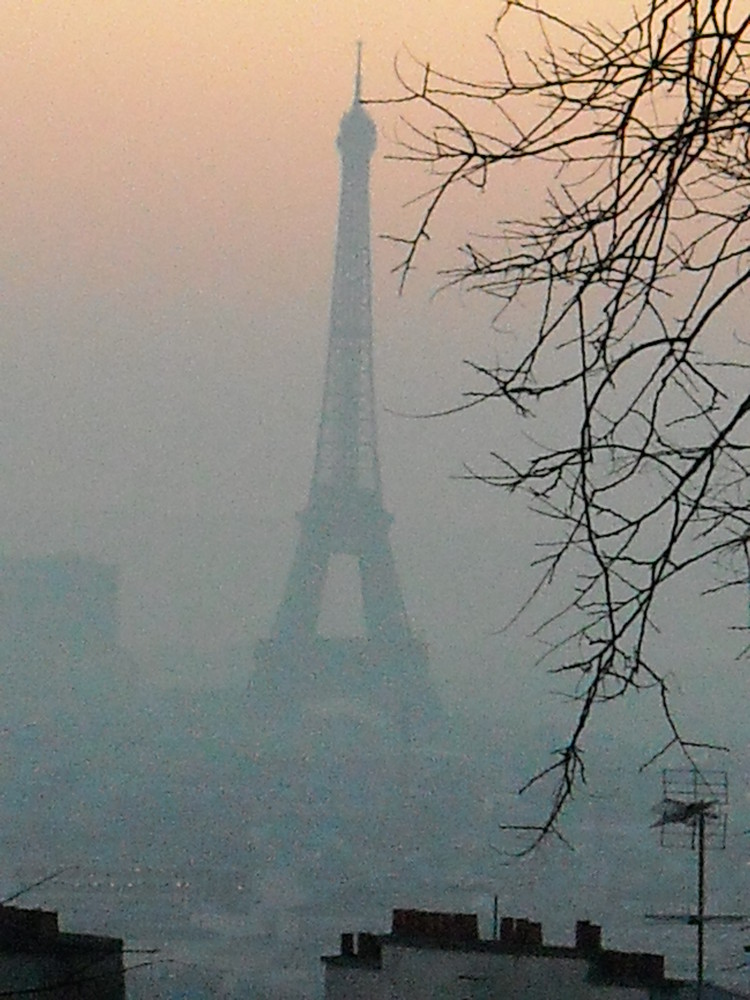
168 205
169 186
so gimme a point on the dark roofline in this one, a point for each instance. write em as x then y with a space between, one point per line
64 943
414 929
37 932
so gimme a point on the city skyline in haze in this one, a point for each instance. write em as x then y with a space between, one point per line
168 215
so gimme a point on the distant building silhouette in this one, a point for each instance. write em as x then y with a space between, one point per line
384 669
61 602
37 959
428 955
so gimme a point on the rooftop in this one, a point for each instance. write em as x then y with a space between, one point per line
38 931
517 936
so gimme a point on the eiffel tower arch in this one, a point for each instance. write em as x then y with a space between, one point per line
384 670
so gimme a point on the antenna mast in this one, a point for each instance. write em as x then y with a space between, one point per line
358 77
694 810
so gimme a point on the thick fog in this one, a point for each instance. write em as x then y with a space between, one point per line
168 212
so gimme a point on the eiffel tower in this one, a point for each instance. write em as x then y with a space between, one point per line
385 670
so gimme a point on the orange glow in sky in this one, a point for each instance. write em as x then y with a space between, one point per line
168 193
148 142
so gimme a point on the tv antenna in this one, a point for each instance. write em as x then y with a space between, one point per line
35 885
693 815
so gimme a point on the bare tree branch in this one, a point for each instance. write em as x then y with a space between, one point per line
631 269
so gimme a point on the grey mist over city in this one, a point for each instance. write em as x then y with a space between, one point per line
282 639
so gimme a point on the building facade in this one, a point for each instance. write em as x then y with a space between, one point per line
38 960
440 956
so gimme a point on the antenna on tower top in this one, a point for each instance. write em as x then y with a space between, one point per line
358 77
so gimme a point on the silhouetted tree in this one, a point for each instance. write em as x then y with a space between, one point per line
632 269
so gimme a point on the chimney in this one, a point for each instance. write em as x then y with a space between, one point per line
347 944
588 937
525 935
507 930
528 935
368 947
534 934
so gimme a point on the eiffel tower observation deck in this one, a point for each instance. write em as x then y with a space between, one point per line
382 670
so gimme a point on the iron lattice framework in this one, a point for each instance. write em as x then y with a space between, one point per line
386 668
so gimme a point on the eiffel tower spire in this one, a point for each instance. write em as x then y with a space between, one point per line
386 669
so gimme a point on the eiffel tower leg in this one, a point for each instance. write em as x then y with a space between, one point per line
383 606
297 617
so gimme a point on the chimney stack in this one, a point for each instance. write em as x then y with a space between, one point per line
588 937
347 944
